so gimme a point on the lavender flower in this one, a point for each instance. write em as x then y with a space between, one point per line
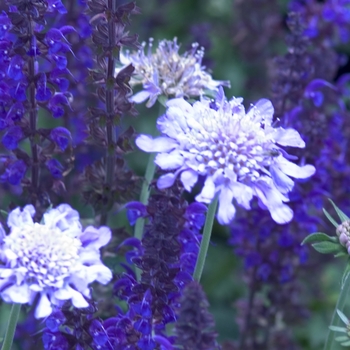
55 259
168 73
238 153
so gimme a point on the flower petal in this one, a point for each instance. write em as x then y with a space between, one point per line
17 294
78 300
188 179
208 191
43 309
272 199
263 111
226 210
288 137
94 238
168 161
166 180
18 217
140 97
294 170
282 182
159 144
100 273
242 193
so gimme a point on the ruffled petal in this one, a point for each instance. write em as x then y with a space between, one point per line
169 161
189 179
272 199
242 193
18 218
100 273
294 170
166 180
282 182
43 309
180 103
208 191
94 238
78 300
140 97
263 111
226 210
17 294
159 144
288 137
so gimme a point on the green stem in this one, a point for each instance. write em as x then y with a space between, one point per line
343 296
145 192
209 221
11 327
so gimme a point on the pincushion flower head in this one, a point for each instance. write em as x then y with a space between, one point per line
168 73
54 259
239 154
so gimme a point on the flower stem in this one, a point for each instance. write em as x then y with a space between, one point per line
11 327
209 221
343 296
145 192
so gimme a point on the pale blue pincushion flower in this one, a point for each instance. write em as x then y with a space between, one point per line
167 72
56 259
238 153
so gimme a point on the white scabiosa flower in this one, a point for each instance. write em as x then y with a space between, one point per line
55 259
166 72
238 153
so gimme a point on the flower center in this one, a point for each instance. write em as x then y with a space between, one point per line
44 255
226 141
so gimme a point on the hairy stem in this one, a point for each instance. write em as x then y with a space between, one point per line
203 250
11 327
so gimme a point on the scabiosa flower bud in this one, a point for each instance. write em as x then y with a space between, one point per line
55 259
168 73
343 232
238 153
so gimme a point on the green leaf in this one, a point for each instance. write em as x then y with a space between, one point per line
4 213
338 329
343 217
341 338
319 237
329 217
327 247
347 343
340 313
340 254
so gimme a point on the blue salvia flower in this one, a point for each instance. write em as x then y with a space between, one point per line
166 256
34 77
72 328
239 153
